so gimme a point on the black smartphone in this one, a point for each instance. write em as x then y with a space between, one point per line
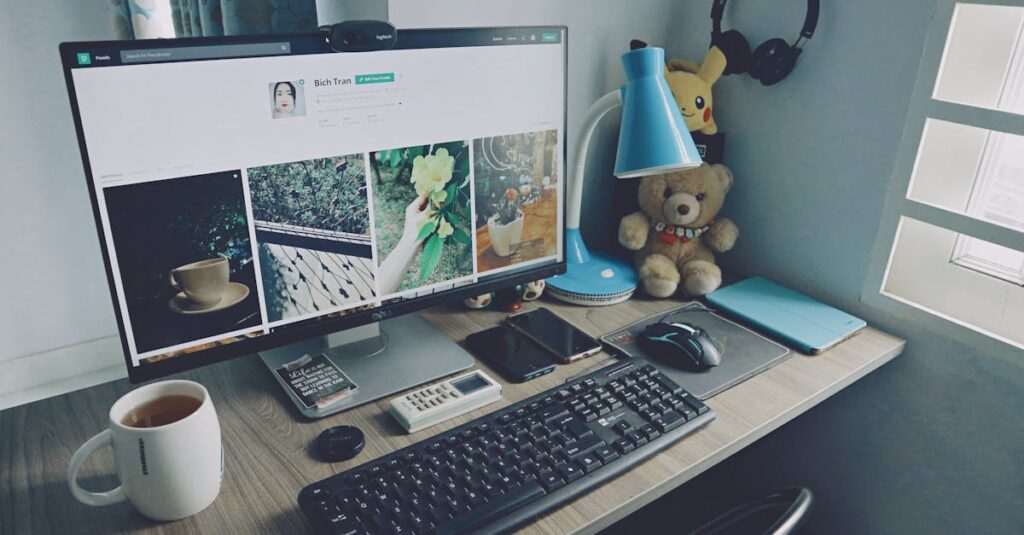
566 342
515 357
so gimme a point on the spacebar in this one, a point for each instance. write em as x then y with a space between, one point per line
493 510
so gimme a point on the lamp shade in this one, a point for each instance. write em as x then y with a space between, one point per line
653 137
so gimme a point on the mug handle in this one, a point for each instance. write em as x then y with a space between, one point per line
104 438
170 278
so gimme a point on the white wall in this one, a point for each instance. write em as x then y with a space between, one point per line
54 291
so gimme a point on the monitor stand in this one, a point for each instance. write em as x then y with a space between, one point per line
381 358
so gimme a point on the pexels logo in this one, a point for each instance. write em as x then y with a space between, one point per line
383 36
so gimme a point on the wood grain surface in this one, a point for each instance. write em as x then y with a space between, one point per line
267 442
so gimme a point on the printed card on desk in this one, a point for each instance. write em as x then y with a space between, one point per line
316 381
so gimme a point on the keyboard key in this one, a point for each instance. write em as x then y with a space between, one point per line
687 411
568 471
606 453
577 428
650 431
670 421
623 446
317 493
696 404
419 523
486 514
589 463
637 438
667 384
474 498
583 445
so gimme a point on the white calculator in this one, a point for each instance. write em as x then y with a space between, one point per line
447 399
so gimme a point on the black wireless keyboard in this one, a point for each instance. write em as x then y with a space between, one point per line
506 468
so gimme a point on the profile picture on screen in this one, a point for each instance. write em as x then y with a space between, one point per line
287 100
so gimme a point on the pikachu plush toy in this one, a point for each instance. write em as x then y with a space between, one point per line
691 83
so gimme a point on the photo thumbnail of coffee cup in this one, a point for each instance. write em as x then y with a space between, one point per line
312 227
184 258
516 179
422 212
287 99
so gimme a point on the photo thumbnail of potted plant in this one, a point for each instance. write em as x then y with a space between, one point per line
506 223
516 195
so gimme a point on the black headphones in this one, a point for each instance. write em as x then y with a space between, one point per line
770 62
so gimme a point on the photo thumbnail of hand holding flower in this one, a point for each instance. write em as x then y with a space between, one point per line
432 176
427 187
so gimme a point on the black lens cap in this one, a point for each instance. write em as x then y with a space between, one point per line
340 443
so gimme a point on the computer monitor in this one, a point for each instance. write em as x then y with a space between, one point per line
254 194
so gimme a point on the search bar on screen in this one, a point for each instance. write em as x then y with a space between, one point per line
154 55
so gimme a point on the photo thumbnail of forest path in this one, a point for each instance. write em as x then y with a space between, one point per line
312 228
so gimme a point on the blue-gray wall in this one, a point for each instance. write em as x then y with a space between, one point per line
932 442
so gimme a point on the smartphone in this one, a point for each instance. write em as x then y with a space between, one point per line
515 357
561 338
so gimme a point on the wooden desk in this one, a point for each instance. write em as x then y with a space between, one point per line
266 442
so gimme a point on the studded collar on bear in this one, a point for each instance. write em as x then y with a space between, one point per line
672 233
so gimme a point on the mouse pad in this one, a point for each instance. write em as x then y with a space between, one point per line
744 352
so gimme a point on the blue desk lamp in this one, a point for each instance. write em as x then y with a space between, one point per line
653 139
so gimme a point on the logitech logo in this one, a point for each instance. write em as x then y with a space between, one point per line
384 37
381 315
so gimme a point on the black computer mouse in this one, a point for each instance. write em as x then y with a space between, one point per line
689 346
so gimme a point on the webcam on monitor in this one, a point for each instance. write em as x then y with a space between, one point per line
361 35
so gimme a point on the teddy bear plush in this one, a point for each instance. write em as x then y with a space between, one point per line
676 232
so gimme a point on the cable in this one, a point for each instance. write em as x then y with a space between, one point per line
688 307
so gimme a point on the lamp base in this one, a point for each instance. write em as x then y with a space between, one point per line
598 281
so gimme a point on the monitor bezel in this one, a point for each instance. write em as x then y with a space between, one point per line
296 333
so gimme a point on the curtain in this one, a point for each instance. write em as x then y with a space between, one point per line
149 19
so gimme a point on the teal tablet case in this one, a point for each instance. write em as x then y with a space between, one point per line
810 326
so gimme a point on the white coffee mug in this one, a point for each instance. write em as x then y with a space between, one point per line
203 282
167 472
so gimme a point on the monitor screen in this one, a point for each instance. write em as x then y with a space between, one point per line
255 191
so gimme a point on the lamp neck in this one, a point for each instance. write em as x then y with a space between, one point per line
590 121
